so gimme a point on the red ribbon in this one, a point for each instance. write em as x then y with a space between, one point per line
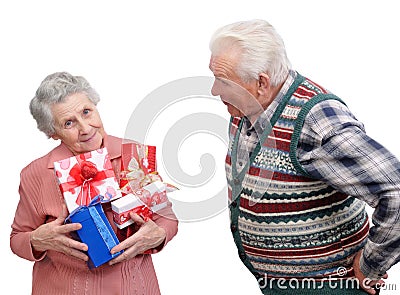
143 211
86 176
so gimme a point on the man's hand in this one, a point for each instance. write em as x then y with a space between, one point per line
366 284
149 236
55 236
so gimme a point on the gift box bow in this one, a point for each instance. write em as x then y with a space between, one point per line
135 176
85 175
138 166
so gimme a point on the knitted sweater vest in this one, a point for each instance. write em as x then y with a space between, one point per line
285 223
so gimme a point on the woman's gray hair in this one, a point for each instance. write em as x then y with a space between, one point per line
54 89
260 48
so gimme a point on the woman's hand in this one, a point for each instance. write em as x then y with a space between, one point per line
366 283
55 236
149 236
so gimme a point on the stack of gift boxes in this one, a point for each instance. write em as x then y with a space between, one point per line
88 180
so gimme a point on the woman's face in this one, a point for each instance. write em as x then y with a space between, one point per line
78 124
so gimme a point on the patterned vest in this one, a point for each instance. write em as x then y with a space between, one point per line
285 223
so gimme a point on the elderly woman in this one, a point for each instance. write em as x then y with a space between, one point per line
65 109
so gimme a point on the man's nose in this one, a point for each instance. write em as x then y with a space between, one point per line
214 89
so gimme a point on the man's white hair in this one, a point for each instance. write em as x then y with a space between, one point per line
260 48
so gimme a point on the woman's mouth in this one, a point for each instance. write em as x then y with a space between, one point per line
89 138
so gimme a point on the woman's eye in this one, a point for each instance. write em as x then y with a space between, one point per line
86 111
68 124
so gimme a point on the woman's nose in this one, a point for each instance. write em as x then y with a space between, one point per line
84 126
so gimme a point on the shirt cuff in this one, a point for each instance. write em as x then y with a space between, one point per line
36 255
367 270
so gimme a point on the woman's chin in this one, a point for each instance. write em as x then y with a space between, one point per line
90 145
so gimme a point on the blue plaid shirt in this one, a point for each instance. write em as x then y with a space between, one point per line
334 147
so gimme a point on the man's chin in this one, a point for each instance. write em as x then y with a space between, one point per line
234 112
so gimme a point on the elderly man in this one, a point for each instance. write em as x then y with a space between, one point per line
300 169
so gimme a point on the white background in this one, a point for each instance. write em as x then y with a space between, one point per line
126 49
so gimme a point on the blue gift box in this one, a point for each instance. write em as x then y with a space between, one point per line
96 233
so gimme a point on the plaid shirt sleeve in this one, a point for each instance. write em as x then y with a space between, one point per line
334 147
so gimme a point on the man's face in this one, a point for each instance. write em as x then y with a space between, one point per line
78 124
240 98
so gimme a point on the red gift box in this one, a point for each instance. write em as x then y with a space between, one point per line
83 177
153 195
137 177
138 166
143 201
123 206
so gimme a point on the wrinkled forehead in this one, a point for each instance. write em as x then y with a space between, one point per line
224 65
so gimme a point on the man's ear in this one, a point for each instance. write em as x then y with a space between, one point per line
264 84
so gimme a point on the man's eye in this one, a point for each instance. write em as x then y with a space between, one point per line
223 81
68 124
86 111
